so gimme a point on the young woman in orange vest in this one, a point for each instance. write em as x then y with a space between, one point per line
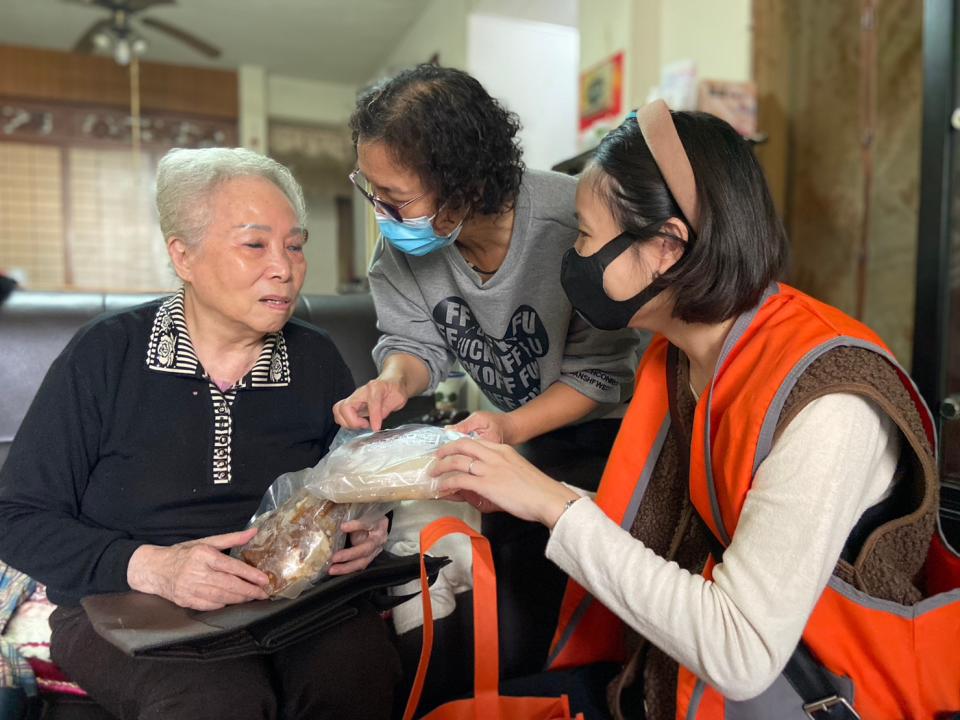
757 545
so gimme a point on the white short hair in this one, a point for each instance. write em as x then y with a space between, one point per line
186 178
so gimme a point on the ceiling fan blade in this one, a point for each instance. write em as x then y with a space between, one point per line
85 43
130 6
138 5
183 36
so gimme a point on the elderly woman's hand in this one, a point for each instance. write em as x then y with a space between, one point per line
501 476
369 405
197 574
366 542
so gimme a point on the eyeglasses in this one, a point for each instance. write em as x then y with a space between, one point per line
363 185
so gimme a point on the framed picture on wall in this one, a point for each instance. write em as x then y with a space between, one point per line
735 102
601 96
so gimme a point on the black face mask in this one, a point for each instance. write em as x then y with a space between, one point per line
582 281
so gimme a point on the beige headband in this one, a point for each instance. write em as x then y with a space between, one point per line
660 133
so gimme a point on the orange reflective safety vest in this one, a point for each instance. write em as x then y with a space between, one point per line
895 661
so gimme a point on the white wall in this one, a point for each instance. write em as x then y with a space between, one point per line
556 12
252 101
309 101
321 249
441 29
717 35
531 67
263 96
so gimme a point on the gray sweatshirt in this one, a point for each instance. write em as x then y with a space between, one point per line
515 334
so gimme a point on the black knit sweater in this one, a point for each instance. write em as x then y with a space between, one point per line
127 442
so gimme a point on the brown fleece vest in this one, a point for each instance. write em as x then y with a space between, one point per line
887 564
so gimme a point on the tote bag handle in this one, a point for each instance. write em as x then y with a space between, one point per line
485 635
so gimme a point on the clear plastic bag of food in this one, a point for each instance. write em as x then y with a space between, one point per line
295 542
385 466
362 476
298 534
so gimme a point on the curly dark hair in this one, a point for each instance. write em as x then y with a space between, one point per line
443 125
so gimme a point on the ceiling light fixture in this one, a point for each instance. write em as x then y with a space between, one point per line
102 41
118 36
121 51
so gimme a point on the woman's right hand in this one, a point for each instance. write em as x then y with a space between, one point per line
196 574
370 404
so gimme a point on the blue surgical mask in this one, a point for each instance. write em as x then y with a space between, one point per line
415 236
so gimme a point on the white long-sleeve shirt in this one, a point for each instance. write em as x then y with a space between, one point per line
835 460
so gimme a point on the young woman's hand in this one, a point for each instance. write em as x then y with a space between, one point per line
472 498
499 475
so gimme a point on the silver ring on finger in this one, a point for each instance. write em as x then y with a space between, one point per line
470 466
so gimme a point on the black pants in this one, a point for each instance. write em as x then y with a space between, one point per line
575 454
586 688
349 671
530 587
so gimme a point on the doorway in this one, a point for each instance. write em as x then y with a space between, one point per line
936 342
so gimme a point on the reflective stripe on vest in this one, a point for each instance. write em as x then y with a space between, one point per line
737 331
586 631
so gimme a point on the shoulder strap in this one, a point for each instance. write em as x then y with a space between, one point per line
811 682
806 676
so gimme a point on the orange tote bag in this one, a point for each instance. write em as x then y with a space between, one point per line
487 703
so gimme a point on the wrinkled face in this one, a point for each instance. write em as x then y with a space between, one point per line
393 183
247 270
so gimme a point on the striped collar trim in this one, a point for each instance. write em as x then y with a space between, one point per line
170 350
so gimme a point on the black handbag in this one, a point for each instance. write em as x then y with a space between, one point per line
148 626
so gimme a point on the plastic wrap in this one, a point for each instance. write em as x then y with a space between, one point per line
298 534
295 542
362 476
390 465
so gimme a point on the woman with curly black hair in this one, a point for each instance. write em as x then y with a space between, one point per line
468 269
468 266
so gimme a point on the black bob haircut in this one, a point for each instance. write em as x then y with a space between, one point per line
741 246
441 124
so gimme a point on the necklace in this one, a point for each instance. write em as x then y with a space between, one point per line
467 250
479 270
476 268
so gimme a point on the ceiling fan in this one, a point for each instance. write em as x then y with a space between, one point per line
118 34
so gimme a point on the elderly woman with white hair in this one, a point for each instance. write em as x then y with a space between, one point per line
153 438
